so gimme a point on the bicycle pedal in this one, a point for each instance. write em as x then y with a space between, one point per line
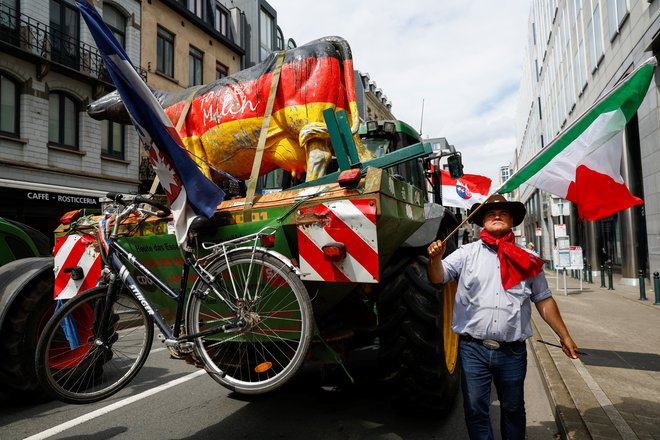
186 347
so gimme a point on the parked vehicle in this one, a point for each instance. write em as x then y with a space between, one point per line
26 303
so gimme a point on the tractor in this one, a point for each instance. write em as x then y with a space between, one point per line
372 296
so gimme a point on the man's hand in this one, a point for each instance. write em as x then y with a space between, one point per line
569 347
435 269
437 248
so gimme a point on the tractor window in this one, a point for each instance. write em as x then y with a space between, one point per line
377 146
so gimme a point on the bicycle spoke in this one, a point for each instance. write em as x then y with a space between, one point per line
277 313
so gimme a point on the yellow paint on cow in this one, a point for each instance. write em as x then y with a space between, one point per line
231 146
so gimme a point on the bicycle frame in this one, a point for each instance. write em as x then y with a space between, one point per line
117 267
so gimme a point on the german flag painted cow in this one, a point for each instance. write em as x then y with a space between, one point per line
224 118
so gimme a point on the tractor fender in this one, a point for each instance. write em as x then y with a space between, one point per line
284 259
435 215
14 276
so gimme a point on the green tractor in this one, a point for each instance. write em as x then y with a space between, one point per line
373 306
26 303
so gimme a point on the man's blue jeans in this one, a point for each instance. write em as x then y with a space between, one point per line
506 367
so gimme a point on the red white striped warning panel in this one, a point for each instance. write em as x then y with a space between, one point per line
351 222
72 251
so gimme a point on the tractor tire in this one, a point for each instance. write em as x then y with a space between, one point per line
418 353
19 334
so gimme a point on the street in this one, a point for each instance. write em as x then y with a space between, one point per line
154 407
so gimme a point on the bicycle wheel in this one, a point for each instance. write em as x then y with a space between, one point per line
77 363
271 348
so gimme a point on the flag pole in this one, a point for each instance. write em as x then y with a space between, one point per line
444 240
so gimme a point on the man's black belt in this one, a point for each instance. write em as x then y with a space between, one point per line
488 343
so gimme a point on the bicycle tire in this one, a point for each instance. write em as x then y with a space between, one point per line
267 353
93 369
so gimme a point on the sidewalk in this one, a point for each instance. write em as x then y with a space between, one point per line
613 392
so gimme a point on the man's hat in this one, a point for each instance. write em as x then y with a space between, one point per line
497 201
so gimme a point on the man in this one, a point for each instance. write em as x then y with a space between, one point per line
497 282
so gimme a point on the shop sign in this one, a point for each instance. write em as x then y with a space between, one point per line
40 196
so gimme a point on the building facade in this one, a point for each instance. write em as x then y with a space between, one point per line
53 157
577 50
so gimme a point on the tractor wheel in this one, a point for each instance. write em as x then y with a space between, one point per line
19 335
418 351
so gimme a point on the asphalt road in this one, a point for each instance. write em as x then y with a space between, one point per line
172 400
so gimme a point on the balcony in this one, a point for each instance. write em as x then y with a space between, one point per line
47 47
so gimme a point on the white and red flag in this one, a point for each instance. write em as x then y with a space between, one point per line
583 163
464 191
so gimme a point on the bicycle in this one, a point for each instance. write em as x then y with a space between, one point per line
247 319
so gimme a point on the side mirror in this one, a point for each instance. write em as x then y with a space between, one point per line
455 165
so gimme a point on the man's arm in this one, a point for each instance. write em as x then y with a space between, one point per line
435 269
550 313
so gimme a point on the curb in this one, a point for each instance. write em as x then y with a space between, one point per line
569 421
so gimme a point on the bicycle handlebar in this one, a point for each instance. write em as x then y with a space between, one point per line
116 197
165 211
119 198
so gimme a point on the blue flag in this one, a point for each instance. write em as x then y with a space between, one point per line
189 192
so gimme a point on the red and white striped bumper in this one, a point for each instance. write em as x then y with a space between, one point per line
351 222
72 251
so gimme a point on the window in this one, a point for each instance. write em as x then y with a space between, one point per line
65 32
279 39
195 64
165 52
595 38
112 133
536 69
220 70
116 22
265 34
195 6
221 19
9 20
617 12
112 139
63 120
580 72
9 105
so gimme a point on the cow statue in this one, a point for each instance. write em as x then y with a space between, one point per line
223 119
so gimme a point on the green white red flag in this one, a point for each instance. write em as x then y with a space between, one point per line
582 164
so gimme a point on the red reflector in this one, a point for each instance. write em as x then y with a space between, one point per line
70 217
268 241
349 178
334 252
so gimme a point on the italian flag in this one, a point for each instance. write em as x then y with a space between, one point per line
465 191
582 164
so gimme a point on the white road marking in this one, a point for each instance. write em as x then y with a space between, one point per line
117 405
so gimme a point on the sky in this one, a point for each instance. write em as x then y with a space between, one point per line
459 60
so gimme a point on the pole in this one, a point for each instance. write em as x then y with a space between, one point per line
467 218
602 275
656 287
642 288
609 276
